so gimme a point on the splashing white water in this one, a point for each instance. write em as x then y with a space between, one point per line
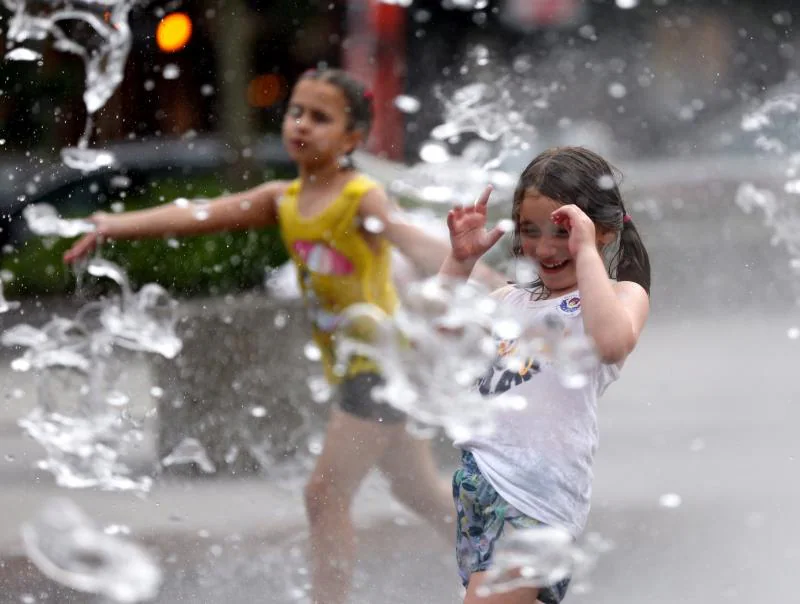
95 30
81 420
70 549
495 116
442 341
43 220
189 450
539 557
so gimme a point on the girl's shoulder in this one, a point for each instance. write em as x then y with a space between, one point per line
360 184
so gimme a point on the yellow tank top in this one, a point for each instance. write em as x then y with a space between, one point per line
336 267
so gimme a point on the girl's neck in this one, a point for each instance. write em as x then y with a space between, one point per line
319 176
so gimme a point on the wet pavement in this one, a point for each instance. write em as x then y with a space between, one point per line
707 411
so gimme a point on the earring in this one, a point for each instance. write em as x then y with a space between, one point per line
345 162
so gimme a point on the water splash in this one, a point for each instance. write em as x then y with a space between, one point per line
540 557
442 341
95 30
67 547
189 450
81 419
492 120
43 220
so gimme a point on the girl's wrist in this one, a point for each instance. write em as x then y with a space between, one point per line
454 267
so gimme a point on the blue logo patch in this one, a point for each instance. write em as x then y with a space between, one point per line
570 305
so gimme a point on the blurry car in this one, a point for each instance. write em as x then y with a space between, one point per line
138 165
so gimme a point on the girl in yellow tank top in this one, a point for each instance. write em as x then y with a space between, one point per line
336 265
338 227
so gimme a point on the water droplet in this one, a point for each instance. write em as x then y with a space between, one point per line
606 182
315 444
171 72
312 351
793 333
434 153
506 225
156 392
698 444
670 500
617 90
281 318
627 4
87 160
373 224
258 411
116 398
407 104
23 54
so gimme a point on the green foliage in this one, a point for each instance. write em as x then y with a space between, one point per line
206 265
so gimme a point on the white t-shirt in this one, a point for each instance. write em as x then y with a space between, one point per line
540 459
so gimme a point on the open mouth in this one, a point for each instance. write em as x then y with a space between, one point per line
552 267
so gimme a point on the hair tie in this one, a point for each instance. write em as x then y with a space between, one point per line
368 95
626 218
308 72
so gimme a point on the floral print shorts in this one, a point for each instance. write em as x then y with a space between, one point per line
481 516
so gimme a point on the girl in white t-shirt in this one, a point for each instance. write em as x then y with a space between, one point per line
593 279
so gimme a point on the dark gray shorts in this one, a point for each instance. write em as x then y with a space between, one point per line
355 397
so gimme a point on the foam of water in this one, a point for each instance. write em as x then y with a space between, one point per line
95 30
67 547
189 450
442 341
43 220
775 126
497 110
540 557
81 419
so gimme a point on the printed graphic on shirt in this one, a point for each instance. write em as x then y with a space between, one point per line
323 259
499 378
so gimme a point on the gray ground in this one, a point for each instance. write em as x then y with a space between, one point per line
706 411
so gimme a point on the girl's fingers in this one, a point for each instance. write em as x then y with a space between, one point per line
495 235
484 198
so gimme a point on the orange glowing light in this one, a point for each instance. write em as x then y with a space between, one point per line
173 32
266 90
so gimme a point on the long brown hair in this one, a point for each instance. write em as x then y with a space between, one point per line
579 176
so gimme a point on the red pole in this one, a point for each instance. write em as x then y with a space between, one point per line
374 51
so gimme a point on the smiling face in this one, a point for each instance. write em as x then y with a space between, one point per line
547 244
316 127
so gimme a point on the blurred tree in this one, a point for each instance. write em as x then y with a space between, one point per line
234 29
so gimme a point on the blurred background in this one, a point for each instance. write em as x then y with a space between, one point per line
695 101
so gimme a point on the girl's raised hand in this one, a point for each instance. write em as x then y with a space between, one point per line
579 226
469 238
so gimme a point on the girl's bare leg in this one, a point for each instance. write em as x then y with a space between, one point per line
409 465
352 446
524 595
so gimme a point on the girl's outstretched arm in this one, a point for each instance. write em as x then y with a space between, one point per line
425 251
254 208
614 314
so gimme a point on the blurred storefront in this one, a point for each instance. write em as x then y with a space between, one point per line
677 62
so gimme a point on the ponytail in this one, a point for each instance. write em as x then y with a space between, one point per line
633 261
